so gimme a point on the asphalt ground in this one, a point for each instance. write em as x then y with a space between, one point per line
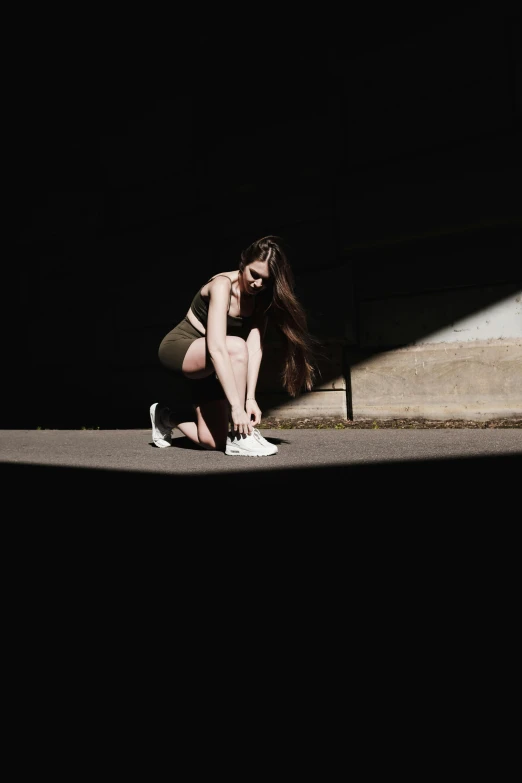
299 449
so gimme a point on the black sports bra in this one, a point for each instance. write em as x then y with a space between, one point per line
200 309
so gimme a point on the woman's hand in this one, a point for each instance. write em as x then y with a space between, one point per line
241 421
254 412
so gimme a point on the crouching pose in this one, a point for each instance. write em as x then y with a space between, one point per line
217 349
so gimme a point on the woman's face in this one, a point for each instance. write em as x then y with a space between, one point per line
255 277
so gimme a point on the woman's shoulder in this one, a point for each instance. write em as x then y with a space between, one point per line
222 275
222 281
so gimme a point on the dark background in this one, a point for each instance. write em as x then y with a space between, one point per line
142 153
142 159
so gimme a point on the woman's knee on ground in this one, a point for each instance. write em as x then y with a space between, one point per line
213 424
209 442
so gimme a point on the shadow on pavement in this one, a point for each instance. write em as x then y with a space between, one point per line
188 445
376 550
397 490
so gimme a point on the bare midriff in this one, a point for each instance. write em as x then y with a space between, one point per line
196 323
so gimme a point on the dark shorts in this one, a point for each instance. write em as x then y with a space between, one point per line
186 391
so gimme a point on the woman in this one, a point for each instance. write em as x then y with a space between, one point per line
217 349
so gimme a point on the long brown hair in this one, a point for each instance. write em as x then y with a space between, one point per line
286 313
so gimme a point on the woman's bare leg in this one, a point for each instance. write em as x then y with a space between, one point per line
212 418
211 427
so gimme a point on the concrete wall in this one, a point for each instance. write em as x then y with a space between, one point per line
428 226
439 381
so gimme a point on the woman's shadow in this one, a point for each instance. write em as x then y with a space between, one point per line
183 442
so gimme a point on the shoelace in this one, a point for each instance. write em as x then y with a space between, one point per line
254 434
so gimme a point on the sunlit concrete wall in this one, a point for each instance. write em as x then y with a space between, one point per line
469 369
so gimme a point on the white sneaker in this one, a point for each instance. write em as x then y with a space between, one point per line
160 435
249 446
264 441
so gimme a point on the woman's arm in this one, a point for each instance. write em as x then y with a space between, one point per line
219 296
255 355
